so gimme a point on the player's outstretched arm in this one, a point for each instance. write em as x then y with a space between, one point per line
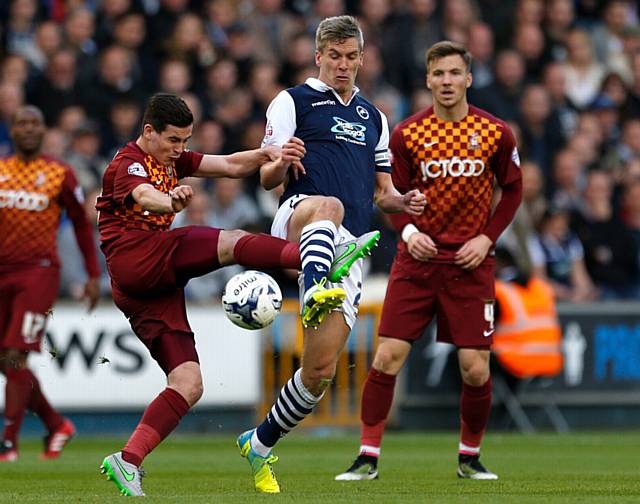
152 200
273 173
389 200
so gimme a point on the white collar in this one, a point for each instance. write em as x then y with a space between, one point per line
318 85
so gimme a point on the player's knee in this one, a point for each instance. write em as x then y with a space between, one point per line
193 391
227 242
475 375
318 378
329 208
384 360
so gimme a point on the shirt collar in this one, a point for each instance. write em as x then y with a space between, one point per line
318 85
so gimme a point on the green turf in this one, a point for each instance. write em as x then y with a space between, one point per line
418 467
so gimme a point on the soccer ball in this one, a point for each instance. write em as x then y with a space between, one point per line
252 299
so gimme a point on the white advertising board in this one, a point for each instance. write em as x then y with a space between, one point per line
94 361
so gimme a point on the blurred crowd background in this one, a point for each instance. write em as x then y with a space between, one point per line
565 74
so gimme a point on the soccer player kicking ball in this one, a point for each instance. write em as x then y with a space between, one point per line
346 168
452 152
33 191
150 263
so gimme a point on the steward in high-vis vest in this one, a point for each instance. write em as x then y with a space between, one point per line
528 335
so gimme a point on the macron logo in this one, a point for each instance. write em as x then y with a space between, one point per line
325 102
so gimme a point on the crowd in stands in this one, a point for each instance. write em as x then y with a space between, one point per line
565 74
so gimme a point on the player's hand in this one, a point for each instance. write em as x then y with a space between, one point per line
181 197
91 293
414 202
472 253
421 247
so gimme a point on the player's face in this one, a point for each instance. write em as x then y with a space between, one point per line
339 62
168 145
27 131
448 80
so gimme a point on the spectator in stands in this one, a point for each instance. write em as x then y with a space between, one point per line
219 16
528 40
405 42
300 51
608 33
457 17
627 149
564 258
11 99
502 98
567 180
272 27
231 207
115 81
84 156
560 17
541 132
584 73
481 45
175 76
264 86
631 209
79 30
57 88
122 126
48 41
610 253
20 31
554 81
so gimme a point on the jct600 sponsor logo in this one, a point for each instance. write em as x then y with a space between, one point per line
454 167
23 200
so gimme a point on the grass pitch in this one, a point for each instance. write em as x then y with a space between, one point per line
415 467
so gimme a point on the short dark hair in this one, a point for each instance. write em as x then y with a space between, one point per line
337 29
448 48
166 109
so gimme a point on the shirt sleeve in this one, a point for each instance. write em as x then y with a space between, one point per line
188 163
382 149
130 173
281 120
506 162
401 163
72 200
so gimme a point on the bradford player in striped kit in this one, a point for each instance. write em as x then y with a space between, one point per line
150 263
34 189
453 153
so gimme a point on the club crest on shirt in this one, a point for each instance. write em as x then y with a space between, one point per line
515 157
41 179
137 169
474 141
362 112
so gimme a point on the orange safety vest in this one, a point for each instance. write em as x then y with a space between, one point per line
527 337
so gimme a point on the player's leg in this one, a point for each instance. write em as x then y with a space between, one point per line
296 400
174 351
408 308
314 224
475 406
467 322
377 397
23 334
202 249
